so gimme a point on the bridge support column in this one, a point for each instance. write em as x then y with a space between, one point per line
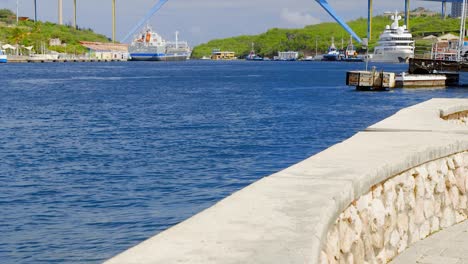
444 9
369 19
74 14
113 21
35 11
407 13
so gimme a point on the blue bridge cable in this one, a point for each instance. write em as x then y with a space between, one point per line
332 13
144 19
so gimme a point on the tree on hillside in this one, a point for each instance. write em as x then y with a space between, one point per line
7 16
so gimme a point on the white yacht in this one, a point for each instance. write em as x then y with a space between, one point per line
395 44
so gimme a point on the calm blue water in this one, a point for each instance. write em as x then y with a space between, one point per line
95 158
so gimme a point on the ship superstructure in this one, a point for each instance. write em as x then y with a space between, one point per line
395 44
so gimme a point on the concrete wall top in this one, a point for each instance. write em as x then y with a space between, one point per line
425 117
284 218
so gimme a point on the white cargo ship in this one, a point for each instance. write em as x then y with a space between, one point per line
150 46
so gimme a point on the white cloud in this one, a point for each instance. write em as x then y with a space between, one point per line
298 18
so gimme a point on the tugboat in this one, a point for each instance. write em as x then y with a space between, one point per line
333 53
350 54
395 44
252 56
3 57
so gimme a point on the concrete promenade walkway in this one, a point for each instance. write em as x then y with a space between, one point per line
449 246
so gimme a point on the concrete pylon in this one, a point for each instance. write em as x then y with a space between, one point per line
113 20
60 12
369 19
74 14
35 11
407 13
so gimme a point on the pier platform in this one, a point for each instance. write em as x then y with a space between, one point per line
428 66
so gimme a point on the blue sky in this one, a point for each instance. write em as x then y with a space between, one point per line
201 20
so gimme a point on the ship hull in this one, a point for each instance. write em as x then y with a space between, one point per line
157 57
393 57
3 59
328 57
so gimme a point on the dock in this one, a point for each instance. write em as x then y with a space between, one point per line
28 59
370 80
422 73
428 66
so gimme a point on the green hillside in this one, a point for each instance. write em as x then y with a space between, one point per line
304 40
28 33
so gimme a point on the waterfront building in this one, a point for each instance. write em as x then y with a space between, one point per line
223 55
288 55
106 51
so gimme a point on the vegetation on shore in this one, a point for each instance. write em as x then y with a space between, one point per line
29 33
304 40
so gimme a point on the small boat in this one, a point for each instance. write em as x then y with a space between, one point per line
333 53
252 56
350 54
3 57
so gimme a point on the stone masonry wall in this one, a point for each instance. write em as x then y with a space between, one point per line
400 211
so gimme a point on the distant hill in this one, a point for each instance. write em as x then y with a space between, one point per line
304 40
38 34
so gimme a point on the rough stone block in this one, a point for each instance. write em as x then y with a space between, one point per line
420 188
448 217
358 251
377 191
443 168
419 211
394 238
429 207
402 223
333 243
460 176
450 164
463 202
363 203
377 214
409 183
347 236
403 244
458 161
454 197
435 224
377 239
424 230
400 201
